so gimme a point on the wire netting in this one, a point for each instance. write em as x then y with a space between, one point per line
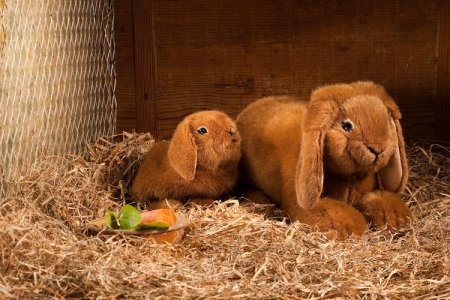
56 79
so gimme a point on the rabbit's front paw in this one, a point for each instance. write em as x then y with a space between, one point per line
336 219
385 208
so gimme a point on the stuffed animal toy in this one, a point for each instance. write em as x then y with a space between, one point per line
201 160
336 162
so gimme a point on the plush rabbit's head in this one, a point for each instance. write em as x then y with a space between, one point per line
351 130
204 140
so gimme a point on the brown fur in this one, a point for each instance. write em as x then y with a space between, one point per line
192 165
298 153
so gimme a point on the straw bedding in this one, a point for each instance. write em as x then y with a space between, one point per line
231 249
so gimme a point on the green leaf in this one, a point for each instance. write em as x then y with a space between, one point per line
129 217
155 225
112 219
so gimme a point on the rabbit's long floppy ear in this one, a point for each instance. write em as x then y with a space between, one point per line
309 176
394 176
183 151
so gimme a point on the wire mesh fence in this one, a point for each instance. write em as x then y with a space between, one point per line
56 79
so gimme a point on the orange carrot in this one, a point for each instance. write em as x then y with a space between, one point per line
158 218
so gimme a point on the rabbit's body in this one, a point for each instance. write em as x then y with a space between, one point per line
298 154
270 145
270 150
191 165
159 180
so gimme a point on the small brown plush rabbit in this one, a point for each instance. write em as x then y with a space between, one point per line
335 162
200 161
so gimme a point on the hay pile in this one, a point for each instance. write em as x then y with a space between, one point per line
231 250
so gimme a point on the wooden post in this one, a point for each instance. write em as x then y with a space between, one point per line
147 119
443 85
124 65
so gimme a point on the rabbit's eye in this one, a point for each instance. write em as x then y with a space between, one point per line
347 125
202 130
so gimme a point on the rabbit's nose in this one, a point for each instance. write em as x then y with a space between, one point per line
374 149
230 132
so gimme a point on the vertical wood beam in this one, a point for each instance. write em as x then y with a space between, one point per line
443 84
124 65
146 112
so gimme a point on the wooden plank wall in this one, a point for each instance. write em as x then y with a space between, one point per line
146 100
124 64
204 54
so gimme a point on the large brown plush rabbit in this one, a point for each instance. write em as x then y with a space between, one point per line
333 162
200 161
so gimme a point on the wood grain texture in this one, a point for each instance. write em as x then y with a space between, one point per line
215 54
124 64
225 54
146 101
443 86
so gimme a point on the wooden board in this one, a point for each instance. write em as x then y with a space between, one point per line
443 86
211 54
146 101
124 64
